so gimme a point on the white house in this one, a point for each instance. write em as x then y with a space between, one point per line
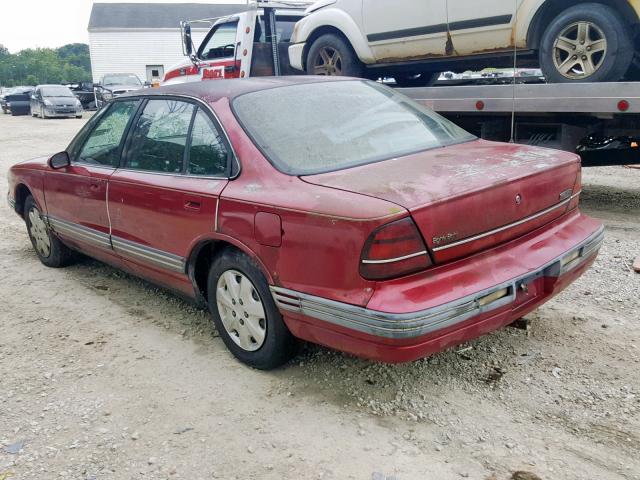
144 38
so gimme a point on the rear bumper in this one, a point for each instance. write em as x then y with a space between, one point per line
536 268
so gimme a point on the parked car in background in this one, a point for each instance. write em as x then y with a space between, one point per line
413 234
113 85
55 101
412 41
20 91
18 102
84 92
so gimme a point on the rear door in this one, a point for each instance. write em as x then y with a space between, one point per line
176 164
76 196
481 26
405 29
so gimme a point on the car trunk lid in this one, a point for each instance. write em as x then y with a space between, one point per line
469 197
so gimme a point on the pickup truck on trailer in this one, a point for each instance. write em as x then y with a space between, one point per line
601 121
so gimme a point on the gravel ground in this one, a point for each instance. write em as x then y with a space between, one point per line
104 376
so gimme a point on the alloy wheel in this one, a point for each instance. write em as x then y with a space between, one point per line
579 50
241 310
40 233
328 62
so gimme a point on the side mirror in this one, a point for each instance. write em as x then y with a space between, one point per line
187 42
60 160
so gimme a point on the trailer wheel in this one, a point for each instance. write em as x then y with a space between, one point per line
588 42
331 55
426 79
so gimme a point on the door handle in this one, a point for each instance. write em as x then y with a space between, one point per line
192 205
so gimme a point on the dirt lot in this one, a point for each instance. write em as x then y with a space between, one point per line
104 376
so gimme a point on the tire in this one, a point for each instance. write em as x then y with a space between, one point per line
426 79
593 60
332 55
229 271
57 255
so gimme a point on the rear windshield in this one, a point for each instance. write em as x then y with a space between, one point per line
327 126
124 79
56 91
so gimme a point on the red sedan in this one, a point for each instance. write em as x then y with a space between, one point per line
334 211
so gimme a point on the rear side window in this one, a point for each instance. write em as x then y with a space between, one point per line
208 154
102 146
284 28
159 139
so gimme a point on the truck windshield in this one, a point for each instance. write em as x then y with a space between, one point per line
327 126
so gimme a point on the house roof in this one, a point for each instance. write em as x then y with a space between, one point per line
155 15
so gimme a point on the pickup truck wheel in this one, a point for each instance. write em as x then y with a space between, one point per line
331 55
50 250
245 313
416 80
586 43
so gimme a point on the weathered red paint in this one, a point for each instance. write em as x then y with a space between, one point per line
323 221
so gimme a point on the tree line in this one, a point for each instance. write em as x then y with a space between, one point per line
34 66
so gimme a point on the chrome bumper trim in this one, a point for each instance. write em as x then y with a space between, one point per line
416 324
507 227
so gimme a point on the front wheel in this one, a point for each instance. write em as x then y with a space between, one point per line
588 42
245 313
50 250
331 55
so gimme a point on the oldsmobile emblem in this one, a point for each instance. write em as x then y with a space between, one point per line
518 199
447 238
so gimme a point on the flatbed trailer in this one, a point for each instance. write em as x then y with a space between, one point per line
601 121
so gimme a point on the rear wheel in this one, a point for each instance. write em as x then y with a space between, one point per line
586 43
50 250
426 79
332 55
245 313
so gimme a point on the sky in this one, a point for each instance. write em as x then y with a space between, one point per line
53 23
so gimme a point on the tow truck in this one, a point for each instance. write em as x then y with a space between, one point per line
600 121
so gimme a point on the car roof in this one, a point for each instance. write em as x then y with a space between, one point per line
213 90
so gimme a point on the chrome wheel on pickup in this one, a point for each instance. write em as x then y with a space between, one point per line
580 50
588 42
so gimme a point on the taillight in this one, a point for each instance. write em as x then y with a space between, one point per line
394 250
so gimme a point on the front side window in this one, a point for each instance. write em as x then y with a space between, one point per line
208 154
159 137
221 43
353 123
102 146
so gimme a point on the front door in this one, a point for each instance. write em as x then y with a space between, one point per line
481 26
76 196
218 52
165 197
405 29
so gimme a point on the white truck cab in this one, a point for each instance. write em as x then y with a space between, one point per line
253 42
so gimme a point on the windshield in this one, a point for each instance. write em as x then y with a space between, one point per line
56 91
327 126
125 79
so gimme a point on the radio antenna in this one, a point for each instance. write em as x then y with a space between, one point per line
515 70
